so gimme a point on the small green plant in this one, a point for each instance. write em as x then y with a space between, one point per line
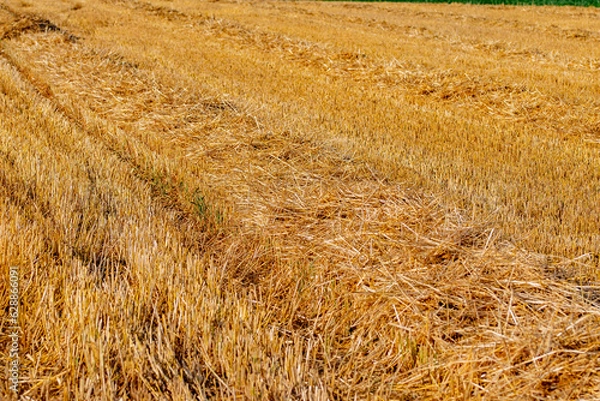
159 183
219 217
200 204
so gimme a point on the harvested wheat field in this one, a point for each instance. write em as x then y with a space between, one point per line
251 200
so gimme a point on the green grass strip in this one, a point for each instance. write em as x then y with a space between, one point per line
580 3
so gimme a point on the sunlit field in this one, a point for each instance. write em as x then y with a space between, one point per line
300 200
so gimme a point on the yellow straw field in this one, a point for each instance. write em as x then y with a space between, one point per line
299 200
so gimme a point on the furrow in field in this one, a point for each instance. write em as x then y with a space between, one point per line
97 230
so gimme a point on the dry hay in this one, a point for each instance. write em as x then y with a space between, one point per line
335 282
13 27
503 100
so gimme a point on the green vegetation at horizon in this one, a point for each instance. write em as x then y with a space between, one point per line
579 3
